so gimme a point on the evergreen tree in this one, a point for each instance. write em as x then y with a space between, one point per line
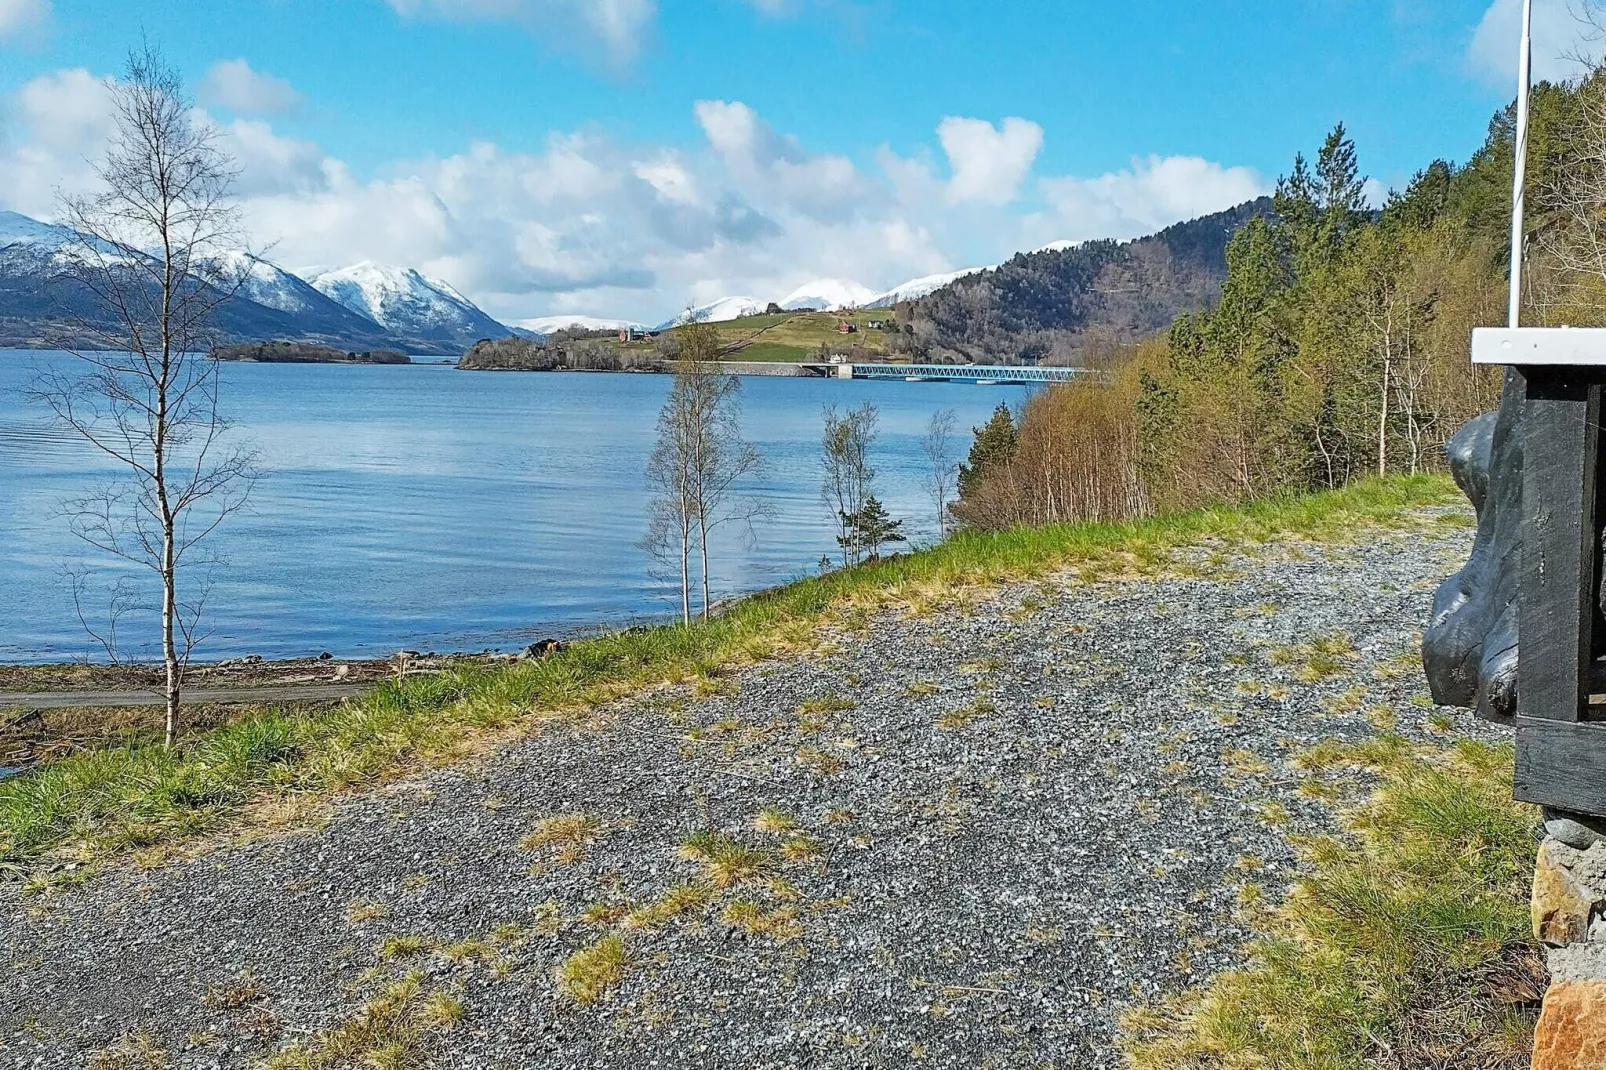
994 447
871 528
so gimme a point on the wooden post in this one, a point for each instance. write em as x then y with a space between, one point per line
1561 737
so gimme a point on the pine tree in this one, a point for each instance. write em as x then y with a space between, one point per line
872 528
994 447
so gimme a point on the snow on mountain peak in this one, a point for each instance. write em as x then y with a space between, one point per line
921 287
546 325
407 302
18 229
721 311
828 294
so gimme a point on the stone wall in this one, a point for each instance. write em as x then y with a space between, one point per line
1569 913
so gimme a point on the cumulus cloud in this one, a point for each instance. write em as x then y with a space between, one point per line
53 125
1560 36
18 17
585 224
234 85
619 23
771 167
988 162
1149 195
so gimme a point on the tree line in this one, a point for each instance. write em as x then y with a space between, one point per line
1338 347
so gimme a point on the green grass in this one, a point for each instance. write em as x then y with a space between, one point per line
99 803
772 351
1406 936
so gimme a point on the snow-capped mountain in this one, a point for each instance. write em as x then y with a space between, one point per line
828 294
416 308
546 325
17 229
722 311
314 312
921 287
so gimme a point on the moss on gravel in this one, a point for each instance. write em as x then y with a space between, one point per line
99 803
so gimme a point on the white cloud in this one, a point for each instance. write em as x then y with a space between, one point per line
51 128
988 162
234 85
1148 196
18 17
620 23
586 224
771 168
1559 37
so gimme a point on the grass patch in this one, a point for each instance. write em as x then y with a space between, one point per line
391 1032
678 901
570 833
726 861
773 821
101 803
778 924
588 974
954 720
1405 940
1323 659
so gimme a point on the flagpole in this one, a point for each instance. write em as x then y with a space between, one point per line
1520 161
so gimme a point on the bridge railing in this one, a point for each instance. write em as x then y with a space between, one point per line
998 372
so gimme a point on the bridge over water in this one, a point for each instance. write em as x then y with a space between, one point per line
954 373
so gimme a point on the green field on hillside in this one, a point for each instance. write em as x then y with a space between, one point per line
795 336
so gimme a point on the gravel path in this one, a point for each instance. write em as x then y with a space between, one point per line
1029 815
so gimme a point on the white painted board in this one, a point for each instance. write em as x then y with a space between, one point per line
1540 346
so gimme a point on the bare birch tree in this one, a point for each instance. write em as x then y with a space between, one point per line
150 253
942 465
698 464
848 475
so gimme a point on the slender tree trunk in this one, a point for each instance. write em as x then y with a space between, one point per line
1383 412
685 574
702 546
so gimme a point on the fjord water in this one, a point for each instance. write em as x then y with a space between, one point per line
423 507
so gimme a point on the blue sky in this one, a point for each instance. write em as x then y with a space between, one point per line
628 157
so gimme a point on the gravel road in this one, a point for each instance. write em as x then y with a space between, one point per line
1014 820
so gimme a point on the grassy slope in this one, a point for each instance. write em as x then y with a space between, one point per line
101 803
794 336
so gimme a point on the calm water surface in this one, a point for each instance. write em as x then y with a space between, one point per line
434 509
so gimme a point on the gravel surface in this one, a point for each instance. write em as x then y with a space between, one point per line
1031 813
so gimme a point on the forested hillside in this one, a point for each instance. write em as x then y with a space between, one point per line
1067 306
1339 346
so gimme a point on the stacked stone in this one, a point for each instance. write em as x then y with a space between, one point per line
1569 912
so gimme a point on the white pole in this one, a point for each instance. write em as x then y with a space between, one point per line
1520 162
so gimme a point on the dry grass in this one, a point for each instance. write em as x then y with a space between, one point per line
588 974
779 924
773 821
570 833
136 1050
954 720
726 861
406 947
393 1031
363 910
681 900
1322 659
